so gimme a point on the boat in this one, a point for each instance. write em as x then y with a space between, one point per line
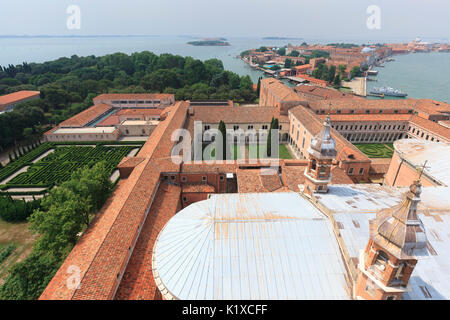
388 91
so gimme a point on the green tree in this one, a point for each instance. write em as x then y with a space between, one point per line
223 132
355 72
281 51
288 63
269 138
28 134
258 87
337 80
28 279
294 53
194 71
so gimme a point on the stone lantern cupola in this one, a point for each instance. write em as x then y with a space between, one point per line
322 152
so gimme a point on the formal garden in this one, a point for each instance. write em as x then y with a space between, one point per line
51 163
377 150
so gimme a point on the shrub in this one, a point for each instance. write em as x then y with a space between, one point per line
6 252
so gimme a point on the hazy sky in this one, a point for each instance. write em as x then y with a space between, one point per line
299 18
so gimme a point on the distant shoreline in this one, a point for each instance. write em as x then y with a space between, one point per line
209 43
281 38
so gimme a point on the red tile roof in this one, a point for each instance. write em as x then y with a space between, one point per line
323 93
138 282
279 90
366 117
314 125
431 126
17 97
103 250
110 121
86 116
144 112
133 96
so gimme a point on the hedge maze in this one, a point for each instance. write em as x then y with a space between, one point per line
376 150
59 165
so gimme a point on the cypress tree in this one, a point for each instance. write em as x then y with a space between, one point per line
258 88
223 131
269 138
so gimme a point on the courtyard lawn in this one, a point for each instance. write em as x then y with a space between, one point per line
212 156
252 152
283 152
376 150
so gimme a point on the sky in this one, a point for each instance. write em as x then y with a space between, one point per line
331 19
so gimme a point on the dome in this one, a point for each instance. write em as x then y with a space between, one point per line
401 226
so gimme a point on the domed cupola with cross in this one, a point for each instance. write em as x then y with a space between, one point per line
322 152
397 237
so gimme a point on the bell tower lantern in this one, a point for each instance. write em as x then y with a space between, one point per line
322 152
397 236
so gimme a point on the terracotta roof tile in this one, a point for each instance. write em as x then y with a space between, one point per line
138 282
431 126
86 116
133 96
17 97
314 125
280 90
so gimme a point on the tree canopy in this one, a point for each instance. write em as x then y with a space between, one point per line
68 85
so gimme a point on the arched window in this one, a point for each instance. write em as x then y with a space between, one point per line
382 260
313 165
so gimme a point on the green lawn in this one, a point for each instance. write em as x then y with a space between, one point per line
253 151
283 152
376 150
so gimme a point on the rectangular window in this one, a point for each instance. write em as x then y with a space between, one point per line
204 178
350 171
361 171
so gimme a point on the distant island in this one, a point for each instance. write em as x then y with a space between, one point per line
210 42
281 38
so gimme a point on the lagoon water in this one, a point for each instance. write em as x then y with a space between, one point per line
421 75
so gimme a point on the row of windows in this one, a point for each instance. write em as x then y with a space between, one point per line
136 102
422 134
184 178
250 127
351 171
369 127
352 111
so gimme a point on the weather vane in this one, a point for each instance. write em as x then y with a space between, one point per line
422 169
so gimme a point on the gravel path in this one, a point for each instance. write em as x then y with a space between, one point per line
42 156
24 169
